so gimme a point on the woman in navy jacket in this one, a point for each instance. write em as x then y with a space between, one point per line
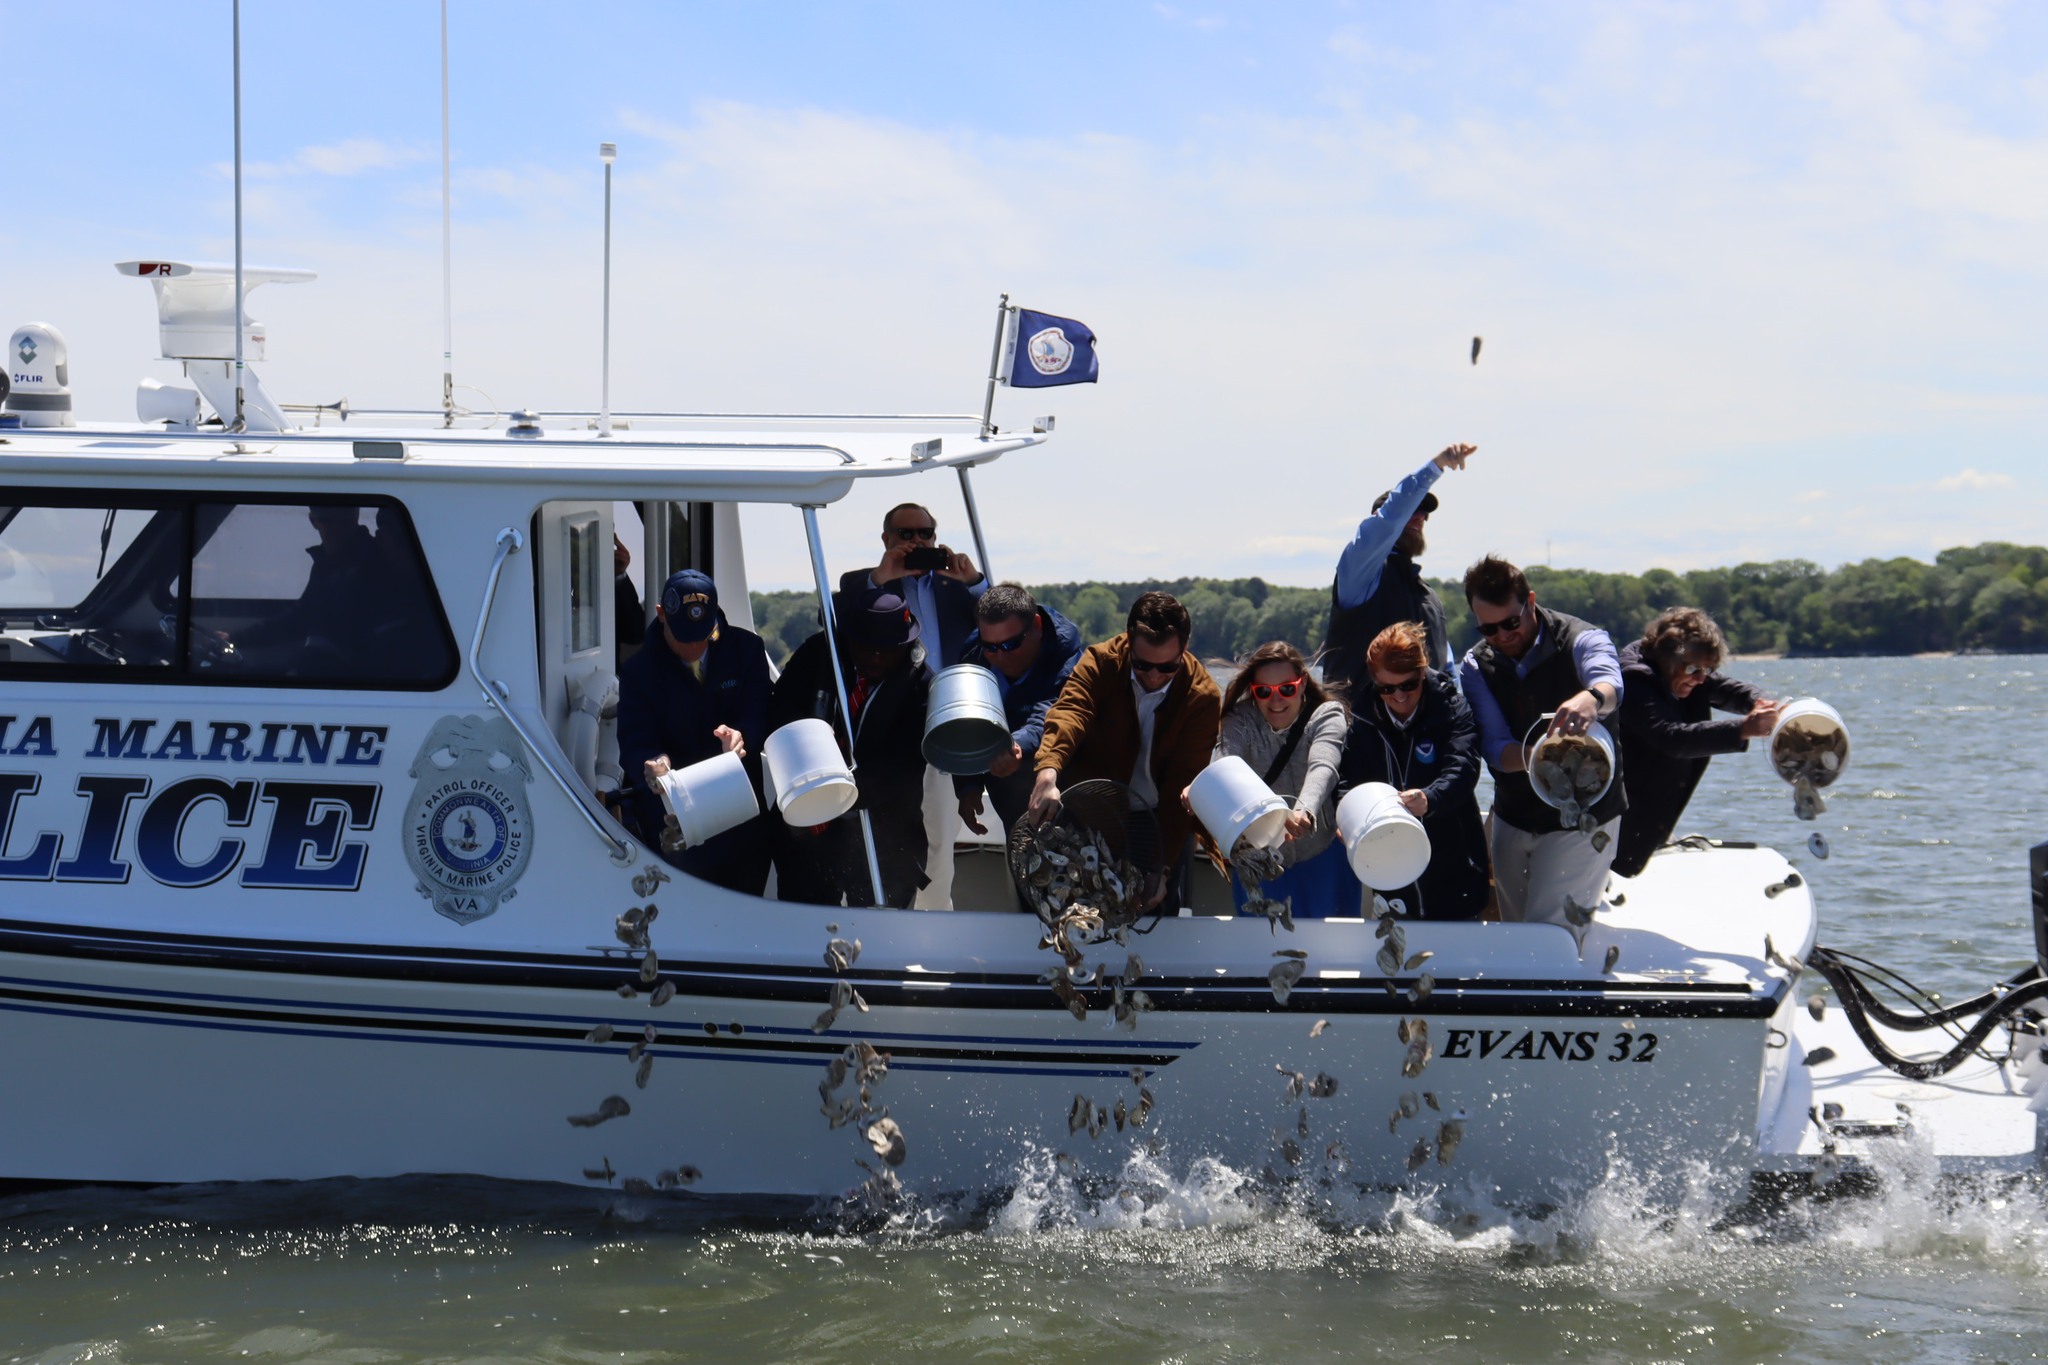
1411 730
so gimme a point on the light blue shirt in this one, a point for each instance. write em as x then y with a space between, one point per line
1592 655
1359 566
924 605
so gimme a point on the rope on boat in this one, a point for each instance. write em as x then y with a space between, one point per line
1993 1008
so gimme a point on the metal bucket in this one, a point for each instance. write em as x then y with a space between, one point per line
1810 740
710 797
1387 847
803 767
1541 748
965 728
1233 803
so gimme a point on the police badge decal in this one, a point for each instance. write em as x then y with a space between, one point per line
468 831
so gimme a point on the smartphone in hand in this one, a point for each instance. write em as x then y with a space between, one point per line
927 558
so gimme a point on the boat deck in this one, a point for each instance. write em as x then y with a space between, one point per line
1975 1119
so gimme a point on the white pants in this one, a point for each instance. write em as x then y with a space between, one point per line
941 828
1533 873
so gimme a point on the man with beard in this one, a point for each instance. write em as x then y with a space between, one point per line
1378 582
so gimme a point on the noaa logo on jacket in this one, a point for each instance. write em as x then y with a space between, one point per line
1425 752
1050 351
468 831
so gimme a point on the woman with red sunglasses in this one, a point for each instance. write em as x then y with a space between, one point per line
1412 731
1278 718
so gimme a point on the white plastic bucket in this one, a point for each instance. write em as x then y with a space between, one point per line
1826 742
1533 752
1232 804
1387 847
804 769
710 797
965 727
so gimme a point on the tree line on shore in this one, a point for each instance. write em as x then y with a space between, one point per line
1986 598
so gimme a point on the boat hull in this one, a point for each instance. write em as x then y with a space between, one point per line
123 1070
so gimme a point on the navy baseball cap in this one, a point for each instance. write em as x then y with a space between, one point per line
877 618
689 604
1428 502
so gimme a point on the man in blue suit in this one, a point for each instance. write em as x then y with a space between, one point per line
941 601
698 687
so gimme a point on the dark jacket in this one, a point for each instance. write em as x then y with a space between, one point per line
888 751
1091 731
1031 696
1402 595
956 609
1668 742
664 709
1438 752
1552 679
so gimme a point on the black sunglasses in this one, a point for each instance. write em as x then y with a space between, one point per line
1005 646
1389 689
917 533
1140 666
1487 628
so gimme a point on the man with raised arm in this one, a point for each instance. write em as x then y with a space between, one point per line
1531 662
1378 582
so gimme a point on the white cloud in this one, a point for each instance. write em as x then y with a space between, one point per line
1973 481
1680 320
353 156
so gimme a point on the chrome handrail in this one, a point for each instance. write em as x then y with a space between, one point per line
510 542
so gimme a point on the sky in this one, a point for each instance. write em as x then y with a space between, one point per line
1756 281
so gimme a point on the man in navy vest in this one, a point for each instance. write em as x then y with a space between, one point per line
1531 662
1378 582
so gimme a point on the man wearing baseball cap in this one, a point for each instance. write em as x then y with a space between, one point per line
698 687
1379 583
887 686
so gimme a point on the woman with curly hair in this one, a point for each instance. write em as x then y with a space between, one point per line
1671 687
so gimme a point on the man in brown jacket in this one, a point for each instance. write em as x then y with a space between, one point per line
1139 710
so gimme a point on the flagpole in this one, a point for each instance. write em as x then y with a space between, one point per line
995 361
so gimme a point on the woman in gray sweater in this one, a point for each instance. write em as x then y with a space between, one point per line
1281 721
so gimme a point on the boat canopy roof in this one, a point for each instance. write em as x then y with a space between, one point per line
750 458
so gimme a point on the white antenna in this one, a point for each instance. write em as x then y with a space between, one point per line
447 254
241 422
607 152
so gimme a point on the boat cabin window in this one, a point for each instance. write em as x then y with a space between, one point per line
330 593
587 579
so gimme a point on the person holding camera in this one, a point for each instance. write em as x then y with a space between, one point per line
941 587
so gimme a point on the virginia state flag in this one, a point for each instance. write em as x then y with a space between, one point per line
1047 351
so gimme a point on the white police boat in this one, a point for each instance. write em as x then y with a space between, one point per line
285 898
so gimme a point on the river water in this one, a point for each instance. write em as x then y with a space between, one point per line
1929 829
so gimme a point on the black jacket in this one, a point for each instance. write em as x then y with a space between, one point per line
663 709
1438 752
1667 743
956 609
888 749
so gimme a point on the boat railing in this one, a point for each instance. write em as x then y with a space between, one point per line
509 543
